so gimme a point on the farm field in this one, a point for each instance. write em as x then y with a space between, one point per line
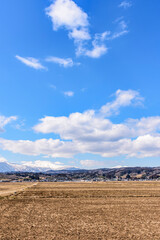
9 188
86 211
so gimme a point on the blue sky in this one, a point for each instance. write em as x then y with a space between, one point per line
79 82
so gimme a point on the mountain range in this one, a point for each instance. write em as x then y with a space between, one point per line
12 167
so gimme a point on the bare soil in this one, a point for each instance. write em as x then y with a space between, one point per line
9 188
85 211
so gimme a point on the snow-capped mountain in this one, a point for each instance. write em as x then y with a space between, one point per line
5 167
37 166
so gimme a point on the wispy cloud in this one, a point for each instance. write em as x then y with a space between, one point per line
6 120
31 62
90 163
83 89
123 99
53 86
125 4
122 29
65 62
69 93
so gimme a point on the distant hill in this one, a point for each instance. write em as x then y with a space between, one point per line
13 172
124 173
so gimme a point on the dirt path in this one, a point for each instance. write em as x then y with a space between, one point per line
7 189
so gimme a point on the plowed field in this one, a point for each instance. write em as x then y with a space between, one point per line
86 211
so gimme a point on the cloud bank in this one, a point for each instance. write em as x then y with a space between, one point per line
93 132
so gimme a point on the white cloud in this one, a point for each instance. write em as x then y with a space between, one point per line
123 99
3 160
98 46
66 13
91 132
69 94
6 120
65 62
58 163
118 34
92 126
90 163
97 51
121 30
125 4
146 146
31 62
80 34
52 147
53 86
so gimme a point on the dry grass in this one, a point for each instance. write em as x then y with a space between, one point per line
86 211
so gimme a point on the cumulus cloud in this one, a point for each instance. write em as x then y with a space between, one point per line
6 120
51 147
65 62
68 15
69 94
125 4
92 132
31 62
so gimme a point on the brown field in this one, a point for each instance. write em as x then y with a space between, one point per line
13 188
88 211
